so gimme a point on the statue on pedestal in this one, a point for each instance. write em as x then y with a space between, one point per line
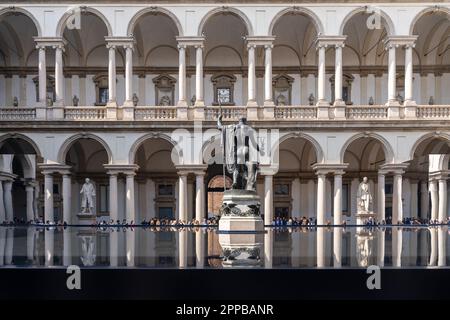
88 194
135 99
75 101
364 197
15 102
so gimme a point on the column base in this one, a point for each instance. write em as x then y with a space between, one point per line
86 218
41 112
199 103
339 109
111 110
128 104
57 112
323 108
269 110
199 112
410 109
252 110
128 111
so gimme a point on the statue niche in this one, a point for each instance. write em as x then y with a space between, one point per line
164 90
282 89
223 87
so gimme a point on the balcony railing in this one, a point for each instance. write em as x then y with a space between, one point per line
228 112
155 113
85 113
296 112
17 113
211 113
433 112
367 112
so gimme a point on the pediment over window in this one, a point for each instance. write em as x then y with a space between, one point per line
282 89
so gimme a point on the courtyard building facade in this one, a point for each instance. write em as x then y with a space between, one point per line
352 90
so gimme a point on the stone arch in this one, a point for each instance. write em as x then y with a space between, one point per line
134 148
224 9
425 137
23 137
424 12
387 148
317 148
389 25
223 46
65 147
306 12
144 11
62 22
27 13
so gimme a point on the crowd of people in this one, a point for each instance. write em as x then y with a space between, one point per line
279 222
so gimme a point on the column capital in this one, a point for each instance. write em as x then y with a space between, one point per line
53 42
197 169
268 170
114 169
5 176
399 41
325 168
395 168
439 175
191 41
329 41
255 41
125 42
51 168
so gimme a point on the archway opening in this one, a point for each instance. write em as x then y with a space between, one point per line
18 168
364 156
86 157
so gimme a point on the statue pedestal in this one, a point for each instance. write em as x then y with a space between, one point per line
363 216
241 249
86 218
240 212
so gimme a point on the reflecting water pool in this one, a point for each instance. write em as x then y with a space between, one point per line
336 247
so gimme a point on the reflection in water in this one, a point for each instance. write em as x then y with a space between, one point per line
337 247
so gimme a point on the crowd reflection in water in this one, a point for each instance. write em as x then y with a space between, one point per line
197 247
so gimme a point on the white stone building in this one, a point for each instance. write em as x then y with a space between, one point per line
355 89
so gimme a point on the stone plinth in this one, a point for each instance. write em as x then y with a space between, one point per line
363 216
241 249
240 212
86 218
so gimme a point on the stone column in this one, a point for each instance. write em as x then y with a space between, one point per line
49 246
2 204
130 210
268 199
29 188
381 239
321 74
67 198
338 75
433 246
48 197
113 248
434 199
42 69
200 197
442 252
442 217
397 246
251 75
199 76
268 93
397 205
128 75
182 196
7 186
182 75
320 241
31 237
409 75
414 199
391 74
59 76
337 247
381 197
112 102
424 200
67 247
130 247
182 247
113 197
321 185
268 249
337 212
199 249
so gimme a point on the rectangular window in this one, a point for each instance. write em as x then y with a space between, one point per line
281 212
282 189
103 95
224 95
165 189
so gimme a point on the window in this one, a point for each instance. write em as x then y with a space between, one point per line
347 80
282 212
223 87
101 89
51 95
165 189
281 189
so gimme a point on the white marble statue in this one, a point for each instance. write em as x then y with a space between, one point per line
364 197
88 194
